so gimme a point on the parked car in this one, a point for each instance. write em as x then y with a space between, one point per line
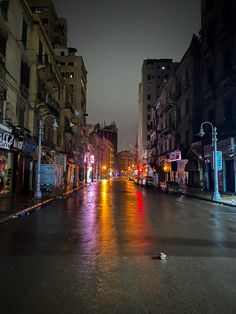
148 181
170 186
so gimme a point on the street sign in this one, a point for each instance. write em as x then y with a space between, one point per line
219 160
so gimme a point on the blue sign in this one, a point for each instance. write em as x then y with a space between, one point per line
219 160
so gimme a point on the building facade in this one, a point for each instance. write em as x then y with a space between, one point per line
218 36
154 73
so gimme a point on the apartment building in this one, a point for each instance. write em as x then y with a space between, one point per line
154 73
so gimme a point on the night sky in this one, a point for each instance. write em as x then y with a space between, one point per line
114 37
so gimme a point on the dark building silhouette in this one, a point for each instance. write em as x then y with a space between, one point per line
110 132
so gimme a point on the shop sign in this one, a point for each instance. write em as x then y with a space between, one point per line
175 155
6 140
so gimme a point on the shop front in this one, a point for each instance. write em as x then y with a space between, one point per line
6 160
227 176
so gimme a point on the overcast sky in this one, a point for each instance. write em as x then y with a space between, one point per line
114 37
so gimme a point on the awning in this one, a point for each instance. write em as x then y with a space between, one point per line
191 166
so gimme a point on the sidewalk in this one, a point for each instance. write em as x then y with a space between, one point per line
11 207
226 199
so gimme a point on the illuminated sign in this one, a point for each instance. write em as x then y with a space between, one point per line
175 155
6 140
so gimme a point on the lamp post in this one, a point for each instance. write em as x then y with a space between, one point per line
216 195
38 193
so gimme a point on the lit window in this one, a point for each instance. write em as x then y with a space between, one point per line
71 75
163 67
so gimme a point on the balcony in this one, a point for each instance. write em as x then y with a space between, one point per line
165 131
53 105
168 105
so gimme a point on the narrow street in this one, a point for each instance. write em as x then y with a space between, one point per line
94 252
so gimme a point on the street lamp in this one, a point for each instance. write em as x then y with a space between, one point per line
38 193
216 195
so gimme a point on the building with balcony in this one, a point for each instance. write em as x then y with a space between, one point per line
55 27
218 36
176 115
154 73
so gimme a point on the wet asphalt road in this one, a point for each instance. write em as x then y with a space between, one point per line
92 253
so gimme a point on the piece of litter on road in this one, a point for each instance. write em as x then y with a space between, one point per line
161 256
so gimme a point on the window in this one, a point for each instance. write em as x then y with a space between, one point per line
148 97
163 68
186 106
71 63
62 63
24 34
148 137
186 79
148 77
3 42
62 53
186 137
149 107
148 117
178 114
71 75
24 74
210 76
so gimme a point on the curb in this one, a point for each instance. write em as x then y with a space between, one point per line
28 209
209 200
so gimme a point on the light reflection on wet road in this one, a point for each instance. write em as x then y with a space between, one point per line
92 253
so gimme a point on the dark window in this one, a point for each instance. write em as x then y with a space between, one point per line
62 53
40 51
149 107
148 137
3 43
148 117
148 77
210 76
186 79
178 114
24 75
186 106
62 63
4 6
71 63
148 97
228 110
179 88
24 34
186 137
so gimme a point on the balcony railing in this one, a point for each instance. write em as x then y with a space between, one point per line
168 104
52 104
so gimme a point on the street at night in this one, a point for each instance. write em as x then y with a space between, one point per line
97 252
